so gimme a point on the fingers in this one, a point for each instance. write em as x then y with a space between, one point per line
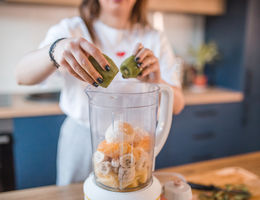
144 52
137 48
67 66
86 65
76 68
149 60
95 52
150 69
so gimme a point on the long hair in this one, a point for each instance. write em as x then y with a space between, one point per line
90 9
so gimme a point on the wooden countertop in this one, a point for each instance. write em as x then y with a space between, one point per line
24 108
250 161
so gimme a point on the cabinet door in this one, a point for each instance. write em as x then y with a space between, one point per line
251 125
252 49
202 133
35 149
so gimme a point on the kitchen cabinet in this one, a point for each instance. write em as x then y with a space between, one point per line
239 66
35 149
212 7
203 132
251 104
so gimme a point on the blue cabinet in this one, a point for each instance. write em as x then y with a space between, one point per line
35 149
201 133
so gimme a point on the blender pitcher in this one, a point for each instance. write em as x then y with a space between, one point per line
127 133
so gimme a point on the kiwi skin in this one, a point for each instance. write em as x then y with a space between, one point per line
129 68
108 76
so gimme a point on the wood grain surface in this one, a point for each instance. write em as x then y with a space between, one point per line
210 7
230 175
250 162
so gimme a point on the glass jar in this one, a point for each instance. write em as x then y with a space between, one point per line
124 126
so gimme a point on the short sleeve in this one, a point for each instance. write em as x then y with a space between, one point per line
169 65
57 31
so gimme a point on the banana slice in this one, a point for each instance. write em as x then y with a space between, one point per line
142 176
120 132
141 159
134 183
115 165
99 157
103 168
126 176
127 160
110 180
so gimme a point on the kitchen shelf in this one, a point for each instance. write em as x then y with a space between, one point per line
207 7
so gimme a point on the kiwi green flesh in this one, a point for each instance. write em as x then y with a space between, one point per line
129 68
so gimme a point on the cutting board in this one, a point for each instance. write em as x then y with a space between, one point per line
230 175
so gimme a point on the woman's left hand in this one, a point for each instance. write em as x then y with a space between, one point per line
148 63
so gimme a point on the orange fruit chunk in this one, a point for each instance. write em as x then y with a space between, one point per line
114 150
145 143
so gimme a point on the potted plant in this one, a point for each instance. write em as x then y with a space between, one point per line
206 53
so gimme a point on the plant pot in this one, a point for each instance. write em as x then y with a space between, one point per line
200 80
199 83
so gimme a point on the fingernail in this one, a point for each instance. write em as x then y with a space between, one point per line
107 68
95 84
100 80
136 59
139 65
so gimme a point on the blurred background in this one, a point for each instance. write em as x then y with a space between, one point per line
216 42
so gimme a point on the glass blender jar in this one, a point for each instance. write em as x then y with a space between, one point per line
127 132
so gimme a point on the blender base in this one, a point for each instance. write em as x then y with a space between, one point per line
94 192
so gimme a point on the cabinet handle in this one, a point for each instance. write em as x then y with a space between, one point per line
204 136
206 113
201 157
248 86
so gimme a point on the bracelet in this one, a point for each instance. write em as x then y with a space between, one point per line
51 52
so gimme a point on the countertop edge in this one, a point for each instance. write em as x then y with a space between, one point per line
25 108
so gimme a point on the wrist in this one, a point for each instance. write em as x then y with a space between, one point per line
52 50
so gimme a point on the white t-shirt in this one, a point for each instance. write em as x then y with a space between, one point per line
118 45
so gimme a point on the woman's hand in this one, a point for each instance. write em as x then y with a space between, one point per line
148 63
73 53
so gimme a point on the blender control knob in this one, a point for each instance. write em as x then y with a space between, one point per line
177 190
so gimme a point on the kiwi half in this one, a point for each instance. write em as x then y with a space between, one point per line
108 76
129 68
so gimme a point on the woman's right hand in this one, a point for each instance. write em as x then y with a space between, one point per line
73 53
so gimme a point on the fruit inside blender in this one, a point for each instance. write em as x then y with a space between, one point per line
123 161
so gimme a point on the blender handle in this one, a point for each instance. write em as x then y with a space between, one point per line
165 117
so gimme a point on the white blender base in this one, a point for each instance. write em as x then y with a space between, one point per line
94 192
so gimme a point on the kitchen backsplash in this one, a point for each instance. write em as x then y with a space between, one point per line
24 26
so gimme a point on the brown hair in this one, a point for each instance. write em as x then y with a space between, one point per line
90 9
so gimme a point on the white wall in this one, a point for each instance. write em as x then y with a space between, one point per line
22 28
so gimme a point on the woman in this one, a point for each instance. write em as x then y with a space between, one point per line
117 28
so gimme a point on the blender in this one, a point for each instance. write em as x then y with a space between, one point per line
127 134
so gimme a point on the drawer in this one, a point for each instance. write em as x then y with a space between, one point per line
186 147
252 112
201 133
195 117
